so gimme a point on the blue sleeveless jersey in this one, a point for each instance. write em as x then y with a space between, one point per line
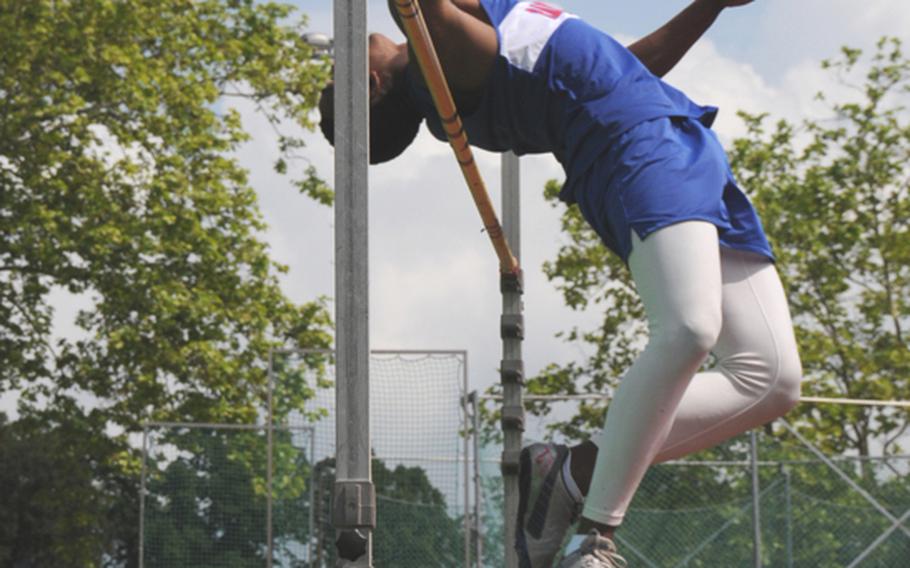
561 86
558 85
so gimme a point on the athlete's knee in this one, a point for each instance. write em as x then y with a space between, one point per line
777 376
785 392
694 335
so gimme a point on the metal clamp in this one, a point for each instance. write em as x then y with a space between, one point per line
513 418
354 505
512 326
511 462
512 371
511 282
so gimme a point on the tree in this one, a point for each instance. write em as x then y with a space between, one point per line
117 184
838 210
63 503
208 507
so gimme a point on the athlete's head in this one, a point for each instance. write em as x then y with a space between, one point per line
394 121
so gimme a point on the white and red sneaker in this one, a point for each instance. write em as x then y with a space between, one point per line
595 552
546 509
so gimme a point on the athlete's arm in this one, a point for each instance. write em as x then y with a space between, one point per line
662 49
464 40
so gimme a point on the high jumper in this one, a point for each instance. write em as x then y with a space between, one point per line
653 181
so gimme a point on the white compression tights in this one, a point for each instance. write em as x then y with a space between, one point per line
699 299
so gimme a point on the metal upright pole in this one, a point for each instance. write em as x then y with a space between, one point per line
789 506
269 463
512 367
354 511
756 500
478 480
466 432
313 481
142 489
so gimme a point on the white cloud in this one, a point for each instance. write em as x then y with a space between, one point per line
808 25
787 34
420 302
708 77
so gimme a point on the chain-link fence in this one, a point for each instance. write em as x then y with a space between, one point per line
227 496
206 499
247 495
814 510
418 460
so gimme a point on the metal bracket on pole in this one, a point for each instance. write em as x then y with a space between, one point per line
512 371
510 462
354 505
354 509
513 418
512 326
511 282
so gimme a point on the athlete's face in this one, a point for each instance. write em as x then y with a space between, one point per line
383 53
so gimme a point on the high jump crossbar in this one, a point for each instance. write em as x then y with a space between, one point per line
802 399
512 326
422 44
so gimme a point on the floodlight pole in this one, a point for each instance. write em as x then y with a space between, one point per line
354 510
512 366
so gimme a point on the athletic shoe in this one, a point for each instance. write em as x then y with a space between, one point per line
546 510
595 552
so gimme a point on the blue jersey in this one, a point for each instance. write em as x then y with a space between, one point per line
638 154
561 86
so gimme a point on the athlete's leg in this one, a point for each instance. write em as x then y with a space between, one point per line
757 374
756 378
678 276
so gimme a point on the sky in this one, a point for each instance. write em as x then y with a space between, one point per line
433 273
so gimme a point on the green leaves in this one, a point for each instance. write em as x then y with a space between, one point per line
837 217
117 183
